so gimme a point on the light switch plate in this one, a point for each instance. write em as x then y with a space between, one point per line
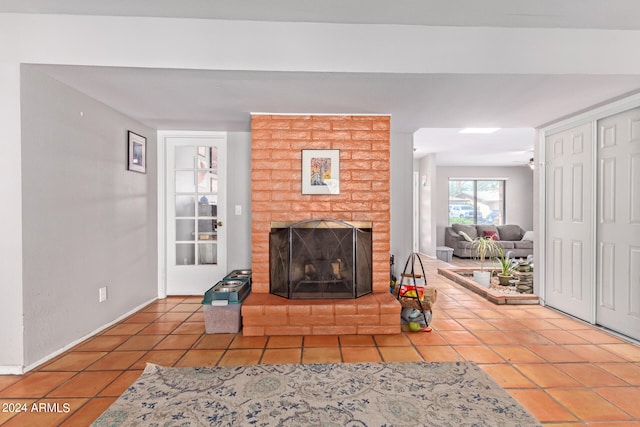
102 294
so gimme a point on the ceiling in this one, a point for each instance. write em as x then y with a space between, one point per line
605 14
505 147
437 104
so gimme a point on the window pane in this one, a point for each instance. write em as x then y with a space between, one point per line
207 253
207 208
207 158
185 206
185 182
490 202
461 202
185 157
476 201
207 182
185 229
185 254
207 170
207 229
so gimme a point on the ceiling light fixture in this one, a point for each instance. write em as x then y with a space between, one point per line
479 130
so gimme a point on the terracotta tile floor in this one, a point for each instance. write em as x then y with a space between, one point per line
563 371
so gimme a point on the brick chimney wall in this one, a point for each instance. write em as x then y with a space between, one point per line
277 144
276 156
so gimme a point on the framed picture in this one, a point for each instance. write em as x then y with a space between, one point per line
137 153
320 171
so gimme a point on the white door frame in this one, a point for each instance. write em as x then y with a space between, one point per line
590 116
416 212
162 196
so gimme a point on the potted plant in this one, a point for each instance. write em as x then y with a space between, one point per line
507 267
483 247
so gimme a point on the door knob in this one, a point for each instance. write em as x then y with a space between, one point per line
219 224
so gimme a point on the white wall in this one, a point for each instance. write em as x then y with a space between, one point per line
87 221
287 46
427 171
11 304
239 193
401 197
518 196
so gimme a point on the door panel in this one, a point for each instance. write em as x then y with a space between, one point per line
577 277
195 211
618 286
569 281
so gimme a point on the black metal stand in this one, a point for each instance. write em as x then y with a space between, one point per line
413 301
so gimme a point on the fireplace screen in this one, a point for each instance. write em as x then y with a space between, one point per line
320 259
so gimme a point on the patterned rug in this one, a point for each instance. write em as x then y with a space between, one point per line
350 394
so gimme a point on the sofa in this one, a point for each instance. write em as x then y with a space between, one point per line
510 237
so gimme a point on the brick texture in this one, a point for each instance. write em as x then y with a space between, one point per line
277 143
266 314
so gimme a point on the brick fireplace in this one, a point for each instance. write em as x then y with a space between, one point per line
276 154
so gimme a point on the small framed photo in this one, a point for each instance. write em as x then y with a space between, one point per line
137 153
320 171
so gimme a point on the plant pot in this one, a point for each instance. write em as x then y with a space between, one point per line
482 278
504 280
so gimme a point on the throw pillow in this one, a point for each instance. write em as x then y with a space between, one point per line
528 236
466 236
493 235
483 227
510 233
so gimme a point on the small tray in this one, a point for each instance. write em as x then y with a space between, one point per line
232 290
239 274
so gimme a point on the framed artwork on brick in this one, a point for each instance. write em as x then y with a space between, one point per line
320 171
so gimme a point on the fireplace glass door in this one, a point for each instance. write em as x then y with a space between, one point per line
321 259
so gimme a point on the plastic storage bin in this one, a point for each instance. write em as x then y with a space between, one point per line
222 319
444 253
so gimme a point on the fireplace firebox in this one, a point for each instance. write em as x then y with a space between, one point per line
320 259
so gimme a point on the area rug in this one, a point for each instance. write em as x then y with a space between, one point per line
350 394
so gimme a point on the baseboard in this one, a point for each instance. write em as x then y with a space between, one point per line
11 370
78 341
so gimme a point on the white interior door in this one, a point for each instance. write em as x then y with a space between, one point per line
569 276
618 257
195 206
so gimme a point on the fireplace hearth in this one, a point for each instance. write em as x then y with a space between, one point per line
320 259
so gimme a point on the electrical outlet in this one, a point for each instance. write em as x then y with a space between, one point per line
102 294
238 209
